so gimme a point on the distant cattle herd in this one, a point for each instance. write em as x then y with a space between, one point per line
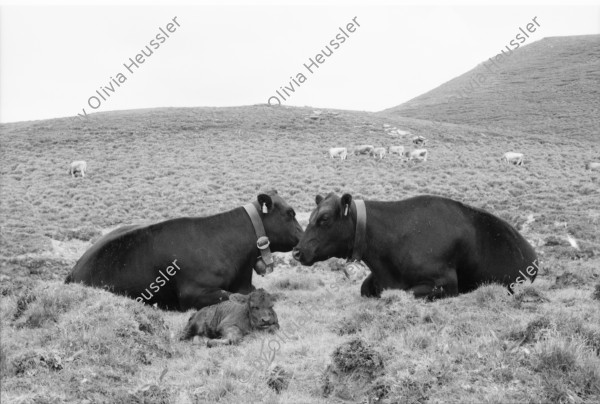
418 153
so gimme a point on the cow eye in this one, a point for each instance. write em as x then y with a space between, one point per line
291 213
323 220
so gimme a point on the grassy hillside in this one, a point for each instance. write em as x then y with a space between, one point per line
550 87
68 343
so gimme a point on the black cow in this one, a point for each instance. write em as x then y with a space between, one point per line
189 262
432 246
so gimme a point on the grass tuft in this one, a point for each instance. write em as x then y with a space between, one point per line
278 379
568 372
354 322
351 375
296 282
491 296
357 356
535 328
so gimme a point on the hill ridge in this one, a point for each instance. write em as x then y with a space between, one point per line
549 86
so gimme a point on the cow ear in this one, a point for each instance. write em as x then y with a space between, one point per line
346 201
238 298
265 202
318 199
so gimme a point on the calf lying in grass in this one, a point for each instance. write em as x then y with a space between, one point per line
227 322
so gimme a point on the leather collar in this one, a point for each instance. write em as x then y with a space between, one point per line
262 241
360 234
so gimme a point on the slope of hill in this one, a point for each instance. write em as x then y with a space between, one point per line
551 86
69 343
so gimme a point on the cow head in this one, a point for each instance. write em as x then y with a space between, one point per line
260 309
330 230
279 220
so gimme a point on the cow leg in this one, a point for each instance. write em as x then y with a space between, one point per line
231 335
246 291
370 287
424 291
198 340
445 286
211 343
202 297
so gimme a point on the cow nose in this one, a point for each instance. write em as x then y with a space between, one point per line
296 254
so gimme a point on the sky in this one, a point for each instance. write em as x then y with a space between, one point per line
53 58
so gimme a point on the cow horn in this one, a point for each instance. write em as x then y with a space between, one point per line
264 208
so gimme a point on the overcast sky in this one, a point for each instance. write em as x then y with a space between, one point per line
54 58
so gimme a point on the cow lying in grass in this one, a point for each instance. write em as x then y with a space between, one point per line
227 322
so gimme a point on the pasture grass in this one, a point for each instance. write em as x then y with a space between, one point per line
68 343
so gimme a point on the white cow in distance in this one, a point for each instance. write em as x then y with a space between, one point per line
378 152
363 149
78 166
592 166
342 152
417 154
399 150
513 158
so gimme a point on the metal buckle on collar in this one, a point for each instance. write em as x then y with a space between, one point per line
263 243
